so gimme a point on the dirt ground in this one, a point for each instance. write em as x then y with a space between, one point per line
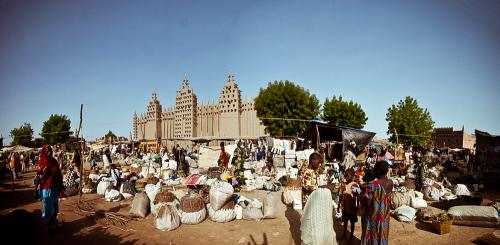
285 229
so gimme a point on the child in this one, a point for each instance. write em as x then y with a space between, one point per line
349 201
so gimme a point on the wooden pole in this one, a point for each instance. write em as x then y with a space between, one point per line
81 153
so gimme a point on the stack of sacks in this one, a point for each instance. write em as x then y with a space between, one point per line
221 206
192 209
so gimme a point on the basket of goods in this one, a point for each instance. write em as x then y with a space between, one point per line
140 184
88 187
152 180
192 209
294 184
442 223
214 172
164 196
135 169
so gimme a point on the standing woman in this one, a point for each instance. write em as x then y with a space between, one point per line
51 185
377 200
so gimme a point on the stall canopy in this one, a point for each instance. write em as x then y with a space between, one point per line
318 132
18 148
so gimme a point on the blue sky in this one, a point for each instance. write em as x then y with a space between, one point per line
110 55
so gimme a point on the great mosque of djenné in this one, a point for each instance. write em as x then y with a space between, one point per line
229 118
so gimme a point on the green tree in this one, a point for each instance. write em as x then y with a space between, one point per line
284 99
110 137
56 129
22 135
412 124
338 112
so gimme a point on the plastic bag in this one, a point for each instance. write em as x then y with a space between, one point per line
112 195
270 206
140 205
252 213
291 194
151 190
221 215
418 203
461 190
103 186
219 194
431 193
405 213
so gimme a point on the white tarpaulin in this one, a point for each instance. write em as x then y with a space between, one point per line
304 155
209 156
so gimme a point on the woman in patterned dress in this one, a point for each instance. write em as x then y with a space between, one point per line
310 172
377 199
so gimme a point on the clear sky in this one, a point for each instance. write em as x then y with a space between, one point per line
110 55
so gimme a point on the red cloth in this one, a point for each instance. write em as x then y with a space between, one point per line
194 179
223 158
51 176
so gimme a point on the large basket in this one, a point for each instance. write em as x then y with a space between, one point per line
164 196
192 203
152 180
214 172
442 227
294 184
140 184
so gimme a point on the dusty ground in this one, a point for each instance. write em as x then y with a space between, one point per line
285 229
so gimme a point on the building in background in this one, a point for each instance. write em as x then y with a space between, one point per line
447 137
228 118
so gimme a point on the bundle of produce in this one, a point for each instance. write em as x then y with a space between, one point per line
192 209
140 184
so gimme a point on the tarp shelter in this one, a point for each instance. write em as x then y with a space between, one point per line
488 151
318 132
209 155
17 148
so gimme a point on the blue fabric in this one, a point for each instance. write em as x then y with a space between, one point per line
50 206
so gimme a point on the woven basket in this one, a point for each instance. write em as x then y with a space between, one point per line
442 227
294 183
152 180
135 170
214 173
164 196
192 203
229 205
140 184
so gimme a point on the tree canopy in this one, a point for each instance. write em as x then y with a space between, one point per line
338 112
412 124
110 136
284 99
56 129
22 135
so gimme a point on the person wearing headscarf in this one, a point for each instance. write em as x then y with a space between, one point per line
376 200
51 185
317 220
224 157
